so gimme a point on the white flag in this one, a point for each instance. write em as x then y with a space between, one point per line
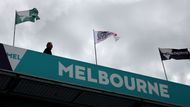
102 35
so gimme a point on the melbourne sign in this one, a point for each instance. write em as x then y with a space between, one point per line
114 80
92 76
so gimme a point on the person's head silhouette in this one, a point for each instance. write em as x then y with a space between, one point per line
49 46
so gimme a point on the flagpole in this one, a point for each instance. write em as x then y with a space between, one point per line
163 67
14 31
95 47
164 70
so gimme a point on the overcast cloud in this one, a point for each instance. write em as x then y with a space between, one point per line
143 27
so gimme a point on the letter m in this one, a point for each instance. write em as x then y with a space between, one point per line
62 69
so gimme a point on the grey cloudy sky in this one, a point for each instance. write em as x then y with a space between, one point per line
143 27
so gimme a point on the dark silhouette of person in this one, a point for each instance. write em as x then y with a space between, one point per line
49 46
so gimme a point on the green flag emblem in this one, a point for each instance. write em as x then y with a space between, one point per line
28 15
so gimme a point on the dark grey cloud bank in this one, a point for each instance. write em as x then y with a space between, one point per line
143 25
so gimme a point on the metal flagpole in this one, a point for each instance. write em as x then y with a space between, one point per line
95 47
163 66
14 31
164 70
